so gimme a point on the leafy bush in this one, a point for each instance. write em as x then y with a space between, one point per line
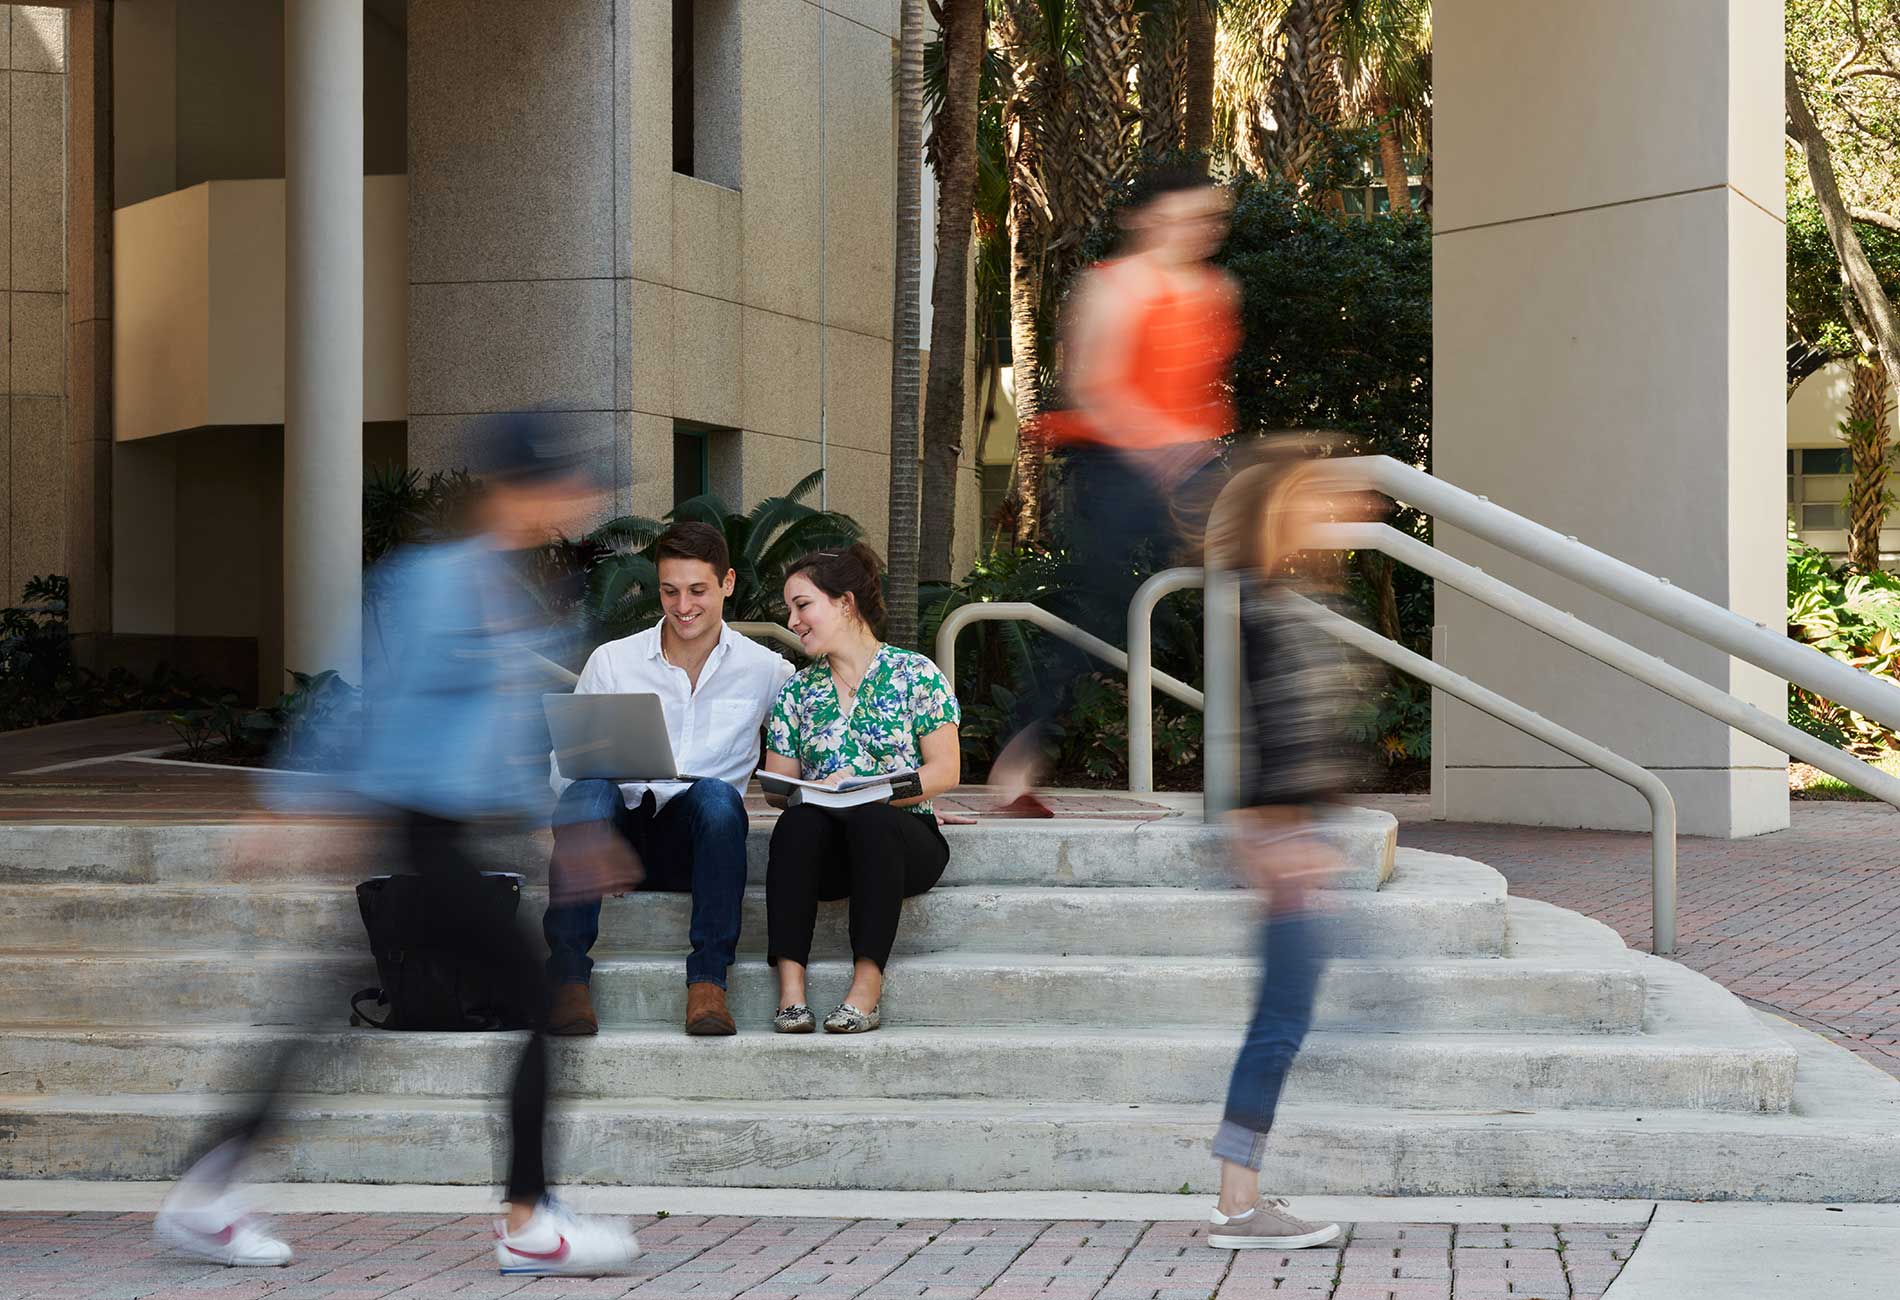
1396 723
312 726
41 682
998 664
1855 617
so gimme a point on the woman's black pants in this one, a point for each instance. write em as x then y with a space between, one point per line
873 854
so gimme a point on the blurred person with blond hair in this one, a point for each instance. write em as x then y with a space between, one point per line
1150 337
1297 685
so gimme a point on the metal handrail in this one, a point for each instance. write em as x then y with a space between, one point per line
1012 611
1662 805
1607 649
1141 657
1723 628
770 631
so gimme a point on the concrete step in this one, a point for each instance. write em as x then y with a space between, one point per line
1840 1141
1682 1062
1170 851
1107 921
931 989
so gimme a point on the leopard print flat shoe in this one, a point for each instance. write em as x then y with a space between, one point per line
795 1019
847 1019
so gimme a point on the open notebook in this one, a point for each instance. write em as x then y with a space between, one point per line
848 793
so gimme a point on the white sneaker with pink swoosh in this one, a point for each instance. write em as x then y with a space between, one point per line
559 1243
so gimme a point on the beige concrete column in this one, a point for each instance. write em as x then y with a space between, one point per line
323 336
1608 300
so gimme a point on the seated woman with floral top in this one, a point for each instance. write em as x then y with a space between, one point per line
862 708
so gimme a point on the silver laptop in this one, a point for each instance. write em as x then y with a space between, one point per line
611 737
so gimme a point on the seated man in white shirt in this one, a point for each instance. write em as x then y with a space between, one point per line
715 687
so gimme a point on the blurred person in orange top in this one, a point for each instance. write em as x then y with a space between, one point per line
1149 344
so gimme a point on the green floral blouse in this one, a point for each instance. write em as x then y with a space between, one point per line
902 699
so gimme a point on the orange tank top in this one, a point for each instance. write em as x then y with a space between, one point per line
1178 361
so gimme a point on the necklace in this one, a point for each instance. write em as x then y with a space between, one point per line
848 692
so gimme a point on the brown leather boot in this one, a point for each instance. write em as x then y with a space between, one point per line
706 1013
573 1012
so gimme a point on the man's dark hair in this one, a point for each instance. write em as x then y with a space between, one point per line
693 540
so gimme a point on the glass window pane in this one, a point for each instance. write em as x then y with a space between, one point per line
1821 517
1825 460
1825 487
1791 460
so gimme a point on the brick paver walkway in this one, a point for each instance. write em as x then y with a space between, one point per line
1804 922
386 1256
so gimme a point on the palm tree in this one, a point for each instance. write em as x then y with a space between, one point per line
1163 80
1385 59
1198 92
901 597
955 95
1030 37
1289 72
1865 429
1067 137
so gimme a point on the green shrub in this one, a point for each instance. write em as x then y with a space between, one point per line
41 682
1855 617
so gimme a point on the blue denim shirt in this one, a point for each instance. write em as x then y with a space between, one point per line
453 726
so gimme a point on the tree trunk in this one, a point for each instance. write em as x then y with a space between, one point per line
1867 441
1306 90
1025 310
1398 182
944 397
1199 109
1376 569
1882 321
901 551
1160 82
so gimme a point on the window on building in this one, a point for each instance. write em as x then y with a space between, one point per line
1817 484
706 90
692 464
705 459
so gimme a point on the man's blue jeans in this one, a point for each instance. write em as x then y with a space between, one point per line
1293 961
695 844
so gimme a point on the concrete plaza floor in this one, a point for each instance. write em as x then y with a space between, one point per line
756 1254
93 1242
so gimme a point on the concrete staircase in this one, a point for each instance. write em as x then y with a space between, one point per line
1063 1013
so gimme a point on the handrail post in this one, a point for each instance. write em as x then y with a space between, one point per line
1141 656
1662 873
1220 720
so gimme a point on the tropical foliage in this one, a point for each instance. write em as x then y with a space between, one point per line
622 581
41 681
1854 617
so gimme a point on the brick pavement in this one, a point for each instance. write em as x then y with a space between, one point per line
1803 922
107 1256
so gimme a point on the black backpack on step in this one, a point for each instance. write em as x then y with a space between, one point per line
428 983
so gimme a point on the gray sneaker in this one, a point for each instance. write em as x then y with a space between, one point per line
1270 1227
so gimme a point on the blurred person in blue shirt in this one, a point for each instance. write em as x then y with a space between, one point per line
453 744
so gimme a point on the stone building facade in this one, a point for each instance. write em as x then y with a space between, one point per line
669 220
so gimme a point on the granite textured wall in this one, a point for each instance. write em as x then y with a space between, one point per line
33 276
558 261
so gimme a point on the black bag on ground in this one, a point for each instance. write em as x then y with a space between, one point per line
428 983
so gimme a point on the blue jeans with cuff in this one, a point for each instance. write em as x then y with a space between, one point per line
694 844
1293 960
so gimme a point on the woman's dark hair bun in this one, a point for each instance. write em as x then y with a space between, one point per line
857 571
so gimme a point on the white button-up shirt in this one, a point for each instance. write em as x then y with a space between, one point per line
714 729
